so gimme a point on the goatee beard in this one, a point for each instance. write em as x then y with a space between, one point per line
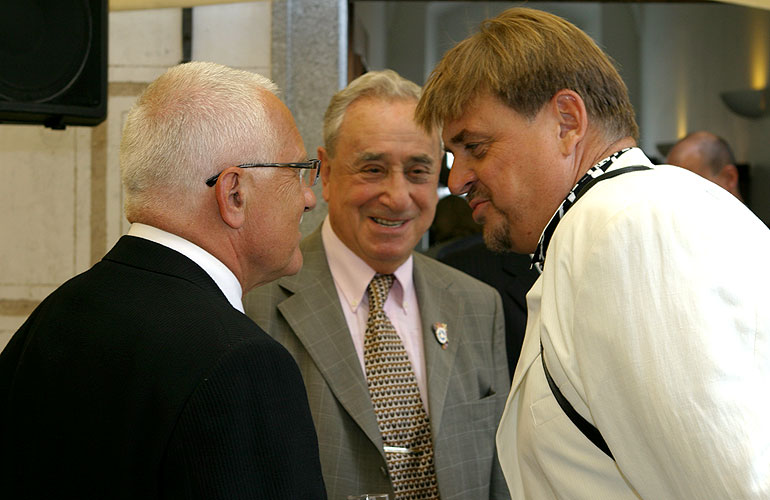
497 237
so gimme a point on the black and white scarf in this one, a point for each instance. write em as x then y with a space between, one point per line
538 258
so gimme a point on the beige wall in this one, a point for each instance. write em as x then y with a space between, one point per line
60 197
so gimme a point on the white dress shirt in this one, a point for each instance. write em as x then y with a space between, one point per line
222 276
351 278
654 314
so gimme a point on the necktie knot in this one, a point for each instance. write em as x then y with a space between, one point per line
378 291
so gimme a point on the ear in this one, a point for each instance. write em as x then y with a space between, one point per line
728 177
230 197
323 155
572 117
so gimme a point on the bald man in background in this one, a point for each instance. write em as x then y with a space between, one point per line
708 156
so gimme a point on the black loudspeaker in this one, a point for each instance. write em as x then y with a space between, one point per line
53 62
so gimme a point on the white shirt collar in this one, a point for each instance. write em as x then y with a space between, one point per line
222 276
353 275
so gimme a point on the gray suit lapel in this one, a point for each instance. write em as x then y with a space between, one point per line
437 305
314 314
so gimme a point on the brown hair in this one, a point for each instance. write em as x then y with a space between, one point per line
524 56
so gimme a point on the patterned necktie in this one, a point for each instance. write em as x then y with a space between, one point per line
404 425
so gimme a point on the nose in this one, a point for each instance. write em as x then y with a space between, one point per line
461 178
396 195
309 198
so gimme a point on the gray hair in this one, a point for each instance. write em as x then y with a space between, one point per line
385 84
186 126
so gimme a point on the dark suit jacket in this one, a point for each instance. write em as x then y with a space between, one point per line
137 379
467 382
509 274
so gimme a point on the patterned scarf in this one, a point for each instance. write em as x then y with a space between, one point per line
538 258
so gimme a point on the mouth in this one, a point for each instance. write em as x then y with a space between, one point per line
477 209
473 203
477 199
387 222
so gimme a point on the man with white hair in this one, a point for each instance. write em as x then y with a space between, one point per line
142 377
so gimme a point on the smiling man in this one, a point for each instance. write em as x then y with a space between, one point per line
438 340
647 345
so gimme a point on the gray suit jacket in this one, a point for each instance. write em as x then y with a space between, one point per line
468 381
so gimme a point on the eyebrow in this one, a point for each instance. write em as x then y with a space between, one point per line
416 159
368 156
465 135
458 138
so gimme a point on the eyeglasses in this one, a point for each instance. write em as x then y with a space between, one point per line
308 171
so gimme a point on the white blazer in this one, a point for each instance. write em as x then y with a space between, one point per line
654 313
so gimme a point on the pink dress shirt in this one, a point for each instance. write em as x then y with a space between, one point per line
351 278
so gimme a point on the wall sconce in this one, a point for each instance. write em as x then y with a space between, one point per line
749 103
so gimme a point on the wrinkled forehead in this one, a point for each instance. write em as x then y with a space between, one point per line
368 118
466 120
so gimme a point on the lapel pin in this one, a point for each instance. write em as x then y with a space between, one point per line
439 330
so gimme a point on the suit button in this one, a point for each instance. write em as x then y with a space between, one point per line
384 471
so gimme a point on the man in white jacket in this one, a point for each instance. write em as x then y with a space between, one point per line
651 317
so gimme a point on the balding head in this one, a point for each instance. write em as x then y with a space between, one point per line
708 156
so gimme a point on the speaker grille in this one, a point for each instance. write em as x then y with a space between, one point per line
47 42
53 61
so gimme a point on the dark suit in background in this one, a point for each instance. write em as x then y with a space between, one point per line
509 273
138 379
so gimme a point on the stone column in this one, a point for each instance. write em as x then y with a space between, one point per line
309 64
